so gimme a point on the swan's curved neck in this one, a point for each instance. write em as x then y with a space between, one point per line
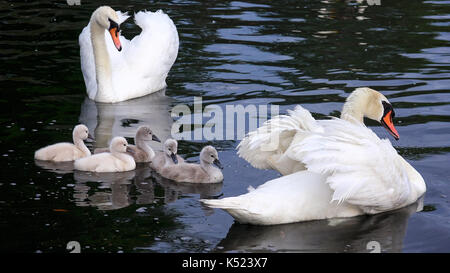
141 144
102 62
355 107
79 143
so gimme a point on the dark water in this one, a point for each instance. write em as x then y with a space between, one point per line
312 53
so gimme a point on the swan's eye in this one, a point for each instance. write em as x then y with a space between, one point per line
124 145
212 155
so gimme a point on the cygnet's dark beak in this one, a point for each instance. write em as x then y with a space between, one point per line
129 150
155 138
217 163
174 158
91 137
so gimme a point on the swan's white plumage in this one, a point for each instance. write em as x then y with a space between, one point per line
117 160
64 151
360 168
60 152
300 196
333 168
143 64
105 162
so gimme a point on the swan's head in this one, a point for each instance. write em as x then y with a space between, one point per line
107 18
210 156
81 132
119 145
366 102
171 149
146 134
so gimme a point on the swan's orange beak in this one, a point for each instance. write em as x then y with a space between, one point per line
389 124
114 31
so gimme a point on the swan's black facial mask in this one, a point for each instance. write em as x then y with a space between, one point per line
114 31
387 120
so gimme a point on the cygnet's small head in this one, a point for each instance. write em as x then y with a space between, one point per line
377 107
171 149
107 18
119 145
209 155
81 132
146 134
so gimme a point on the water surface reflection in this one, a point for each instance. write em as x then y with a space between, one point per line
335 235
106 120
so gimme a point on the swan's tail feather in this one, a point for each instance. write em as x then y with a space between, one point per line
225 203
236 207
218 203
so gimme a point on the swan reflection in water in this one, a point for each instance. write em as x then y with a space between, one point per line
106 120
334 235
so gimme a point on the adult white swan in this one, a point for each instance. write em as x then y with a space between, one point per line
333 168
118 69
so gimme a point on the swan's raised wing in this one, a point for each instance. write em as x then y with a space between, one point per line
361 169
146 60
265 147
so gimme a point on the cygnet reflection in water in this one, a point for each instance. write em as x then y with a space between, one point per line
173 190
113 191
55 167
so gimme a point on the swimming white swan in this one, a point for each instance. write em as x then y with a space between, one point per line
336 168
141 152
120 69
204 172
60 152
116 161
167 157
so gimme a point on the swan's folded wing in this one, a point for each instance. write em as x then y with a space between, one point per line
273 138
361 169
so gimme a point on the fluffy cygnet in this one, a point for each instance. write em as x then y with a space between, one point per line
65 151
141 151
168 157
115 161
205 172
